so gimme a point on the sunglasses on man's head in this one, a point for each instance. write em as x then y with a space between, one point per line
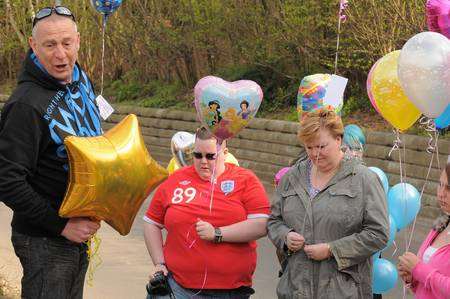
208 156
48 11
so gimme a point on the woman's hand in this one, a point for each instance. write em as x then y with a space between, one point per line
318 252
158 267
294 241
407 262
405 275
205 230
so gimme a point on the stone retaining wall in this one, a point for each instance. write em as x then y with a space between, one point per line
266 146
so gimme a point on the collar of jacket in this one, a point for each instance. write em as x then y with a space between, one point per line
299 173
32 73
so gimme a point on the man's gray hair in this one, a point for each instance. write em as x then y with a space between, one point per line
34 30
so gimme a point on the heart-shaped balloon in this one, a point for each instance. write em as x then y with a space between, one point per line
424 72
225 108
438 16
387 95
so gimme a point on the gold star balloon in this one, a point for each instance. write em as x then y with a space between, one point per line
110 175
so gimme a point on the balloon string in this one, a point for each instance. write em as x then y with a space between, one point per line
397 146
430 127
213 176
411 234
396 143
423 189
205 275
337 47
105 18
190 245
213 183
342 17
436 136
395 248
94 259
404 160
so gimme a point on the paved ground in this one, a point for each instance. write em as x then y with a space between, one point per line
126 264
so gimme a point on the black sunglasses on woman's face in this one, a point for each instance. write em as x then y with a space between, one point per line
48 11
208 156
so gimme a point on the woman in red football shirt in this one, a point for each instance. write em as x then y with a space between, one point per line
210 249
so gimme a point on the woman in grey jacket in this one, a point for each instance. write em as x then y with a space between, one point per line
329 216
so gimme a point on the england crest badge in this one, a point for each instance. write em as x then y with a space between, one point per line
227 187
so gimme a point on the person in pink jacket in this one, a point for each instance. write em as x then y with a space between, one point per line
428 273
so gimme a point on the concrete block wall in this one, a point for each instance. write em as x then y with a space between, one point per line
266 146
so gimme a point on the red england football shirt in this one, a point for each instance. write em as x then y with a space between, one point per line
183 199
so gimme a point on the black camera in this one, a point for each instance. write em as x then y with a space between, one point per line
159 285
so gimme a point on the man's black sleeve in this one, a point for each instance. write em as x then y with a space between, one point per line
21 130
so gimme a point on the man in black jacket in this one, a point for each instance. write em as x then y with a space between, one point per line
53 99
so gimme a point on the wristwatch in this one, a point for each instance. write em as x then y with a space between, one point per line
217 235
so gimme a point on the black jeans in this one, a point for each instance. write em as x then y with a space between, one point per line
52 267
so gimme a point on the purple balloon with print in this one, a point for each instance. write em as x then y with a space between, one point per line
438 16
225 108
424 72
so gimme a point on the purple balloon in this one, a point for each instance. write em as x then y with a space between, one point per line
438 16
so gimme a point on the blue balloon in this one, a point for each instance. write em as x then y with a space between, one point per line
354 137
383 177
376 255
392 232
385 276
106 7
403 204
443 121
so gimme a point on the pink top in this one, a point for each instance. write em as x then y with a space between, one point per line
432 280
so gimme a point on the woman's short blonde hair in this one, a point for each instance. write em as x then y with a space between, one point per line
314 121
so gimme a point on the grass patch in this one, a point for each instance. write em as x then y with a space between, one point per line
154 94
7 87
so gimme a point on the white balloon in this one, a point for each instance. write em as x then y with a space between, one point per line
424 72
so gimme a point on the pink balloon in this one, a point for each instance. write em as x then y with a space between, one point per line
369 87
280 174
438 16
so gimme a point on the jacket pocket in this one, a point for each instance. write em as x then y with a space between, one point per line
294 212
346 207
343 286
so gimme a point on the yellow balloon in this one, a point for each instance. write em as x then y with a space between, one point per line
172 166
389 96
110 176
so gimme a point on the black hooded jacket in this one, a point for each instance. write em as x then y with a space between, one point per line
40 113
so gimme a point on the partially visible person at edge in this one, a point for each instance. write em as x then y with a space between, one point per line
53 99
428 273
329 216
182 145
353 141
210 249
